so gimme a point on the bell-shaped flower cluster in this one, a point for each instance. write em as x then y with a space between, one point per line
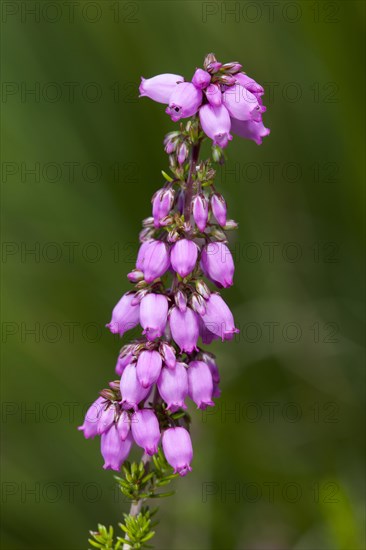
227 100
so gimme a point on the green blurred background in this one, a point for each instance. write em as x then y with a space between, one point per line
279 463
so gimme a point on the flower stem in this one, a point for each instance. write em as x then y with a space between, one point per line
189 187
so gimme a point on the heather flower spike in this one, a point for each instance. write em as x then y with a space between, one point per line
184 257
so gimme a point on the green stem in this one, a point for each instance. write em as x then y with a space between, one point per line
189 185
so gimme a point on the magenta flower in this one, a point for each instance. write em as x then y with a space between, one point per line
183 257
132 391
90 425
153 315
250 129
113 449
106 418
168 354
148 367
200 211
155 261
162 204
215 122
250 84
145 430
200 384
218 318
240 102
125 315
123 425
159 88
218 206
122 363
214 95
178 450
184 328
184 101
218 264
201 79
173 386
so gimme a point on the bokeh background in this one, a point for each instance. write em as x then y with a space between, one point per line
279 463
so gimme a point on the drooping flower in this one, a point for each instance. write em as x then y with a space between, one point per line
240 102
183 256
218 264
173 386
131 390
184 328
155 260
178 450
148 367
159 88
214 95
123 425
113 449
122 363
106 418
184 101
200 384
215 122
90 425
145 430
250 129
153 315
218 318
125 315
168 353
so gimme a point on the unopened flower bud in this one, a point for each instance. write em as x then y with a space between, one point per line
201 79
139 295
183 257
106 418
167 220
218 206
181 300
145 430
218 234
227 80
168 353
135 276
148 368
173 236
197 303
113 449
182 152
233 67
203 289
230 225
162 204
200 211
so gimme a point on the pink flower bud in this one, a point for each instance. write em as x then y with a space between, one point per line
250 84
122 362
198 304
216 124
168 353
145 430
159 88
184 101
184 328
203 289
131 390
217 263
173 386
90 425
156 261
153 315
113 449
250 129
219 209
148 368
240 103
141 254
201 79
180 299
106 418
183 257
200 384
214 67
123 425
125 315
214 95
182 153
162 204
135 276
200 211
178 450
218 318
